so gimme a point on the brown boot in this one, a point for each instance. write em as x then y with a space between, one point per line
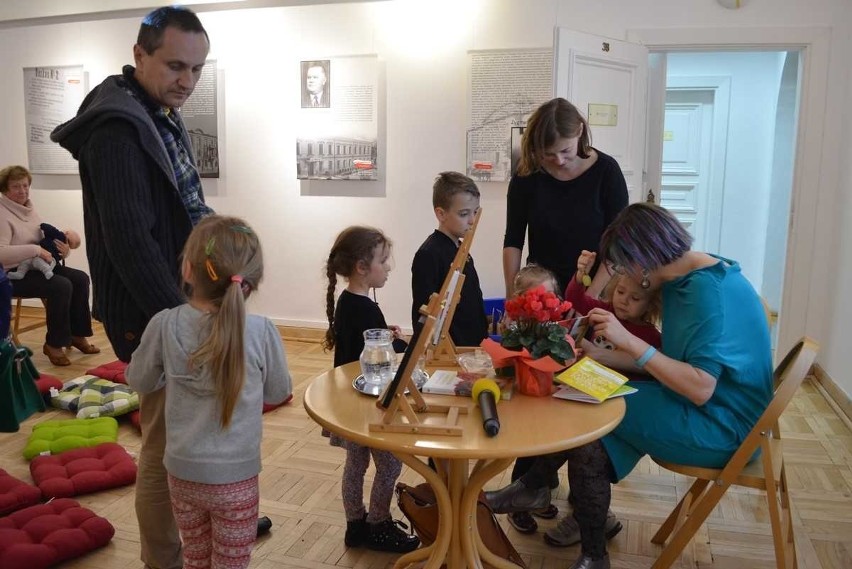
56 356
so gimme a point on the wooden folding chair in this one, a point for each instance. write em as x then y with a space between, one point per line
16 320
764 473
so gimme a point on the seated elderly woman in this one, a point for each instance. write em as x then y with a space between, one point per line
66 292
714 372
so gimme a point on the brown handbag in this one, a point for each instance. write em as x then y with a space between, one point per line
419 506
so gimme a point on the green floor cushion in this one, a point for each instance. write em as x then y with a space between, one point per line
53 437
92 396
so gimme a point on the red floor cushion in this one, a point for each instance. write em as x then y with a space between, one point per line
16 494
44 382
113 371
133 416
267 407
83 470
46 534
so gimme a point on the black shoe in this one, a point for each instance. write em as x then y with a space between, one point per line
264 524
388 536
357 532
547 513
586 562
518 498
523 522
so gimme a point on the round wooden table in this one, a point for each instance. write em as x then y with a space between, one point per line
529 426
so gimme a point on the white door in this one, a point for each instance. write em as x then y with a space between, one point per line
606 79
694 146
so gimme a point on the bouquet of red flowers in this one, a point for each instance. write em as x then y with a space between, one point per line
535 316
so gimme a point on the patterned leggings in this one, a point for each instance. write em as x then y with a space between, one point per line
388 468
590 473
217 522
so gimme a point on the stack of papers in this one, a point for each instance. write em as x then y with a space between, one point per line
594 380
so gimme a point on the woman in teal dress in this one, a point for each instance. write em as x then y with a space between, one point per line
714 373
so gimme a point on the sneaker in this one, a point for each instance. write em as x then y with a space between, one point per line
567 530
357 532
547 513
389 536
523 522
518 498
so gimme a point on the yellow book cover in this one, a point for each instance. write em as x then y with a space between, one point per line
593 378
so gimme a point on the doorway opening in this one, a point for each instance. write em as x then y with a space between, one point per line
728 150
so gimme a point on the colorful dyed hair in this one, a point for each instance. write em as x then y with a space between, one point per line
353 245
448 184
154 25
644 236
11 174
553 120
224 257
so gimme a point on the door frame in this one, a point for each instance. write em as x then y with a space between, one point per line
813 42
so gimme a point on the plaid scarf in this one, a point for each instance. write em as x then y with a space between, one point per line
170 127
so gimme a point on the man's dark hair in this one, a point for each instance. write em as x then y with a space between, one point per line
154 26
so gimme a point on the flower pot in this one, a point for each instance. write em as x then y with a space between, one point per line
531 381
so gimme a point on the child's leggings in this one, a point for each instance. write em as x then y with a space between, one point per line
217 522
388 468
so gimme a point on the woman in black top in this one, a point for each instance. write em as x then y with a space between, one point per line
565 193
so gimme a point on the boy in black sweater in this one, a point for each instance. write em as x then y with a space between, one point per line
455 198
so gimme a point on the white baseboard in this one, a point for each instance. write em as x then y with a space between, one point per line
833 393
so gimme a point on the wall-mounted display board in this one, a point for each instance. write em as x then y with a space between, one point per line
337 130
52 96
200 113
506 86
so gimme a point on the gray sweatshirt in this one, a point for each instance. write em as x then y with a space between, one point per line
197 448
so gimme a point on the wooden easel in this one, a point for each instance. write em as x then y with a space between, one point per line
394 400
444 352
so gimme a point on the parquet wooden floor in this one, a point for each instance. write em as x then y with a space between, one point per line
300 491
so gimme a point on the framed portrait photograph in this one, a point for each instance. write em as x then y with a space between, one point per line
316 84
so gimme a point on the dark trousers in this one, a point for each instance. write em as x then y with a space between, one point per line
590 473
5 304
525 463
67 297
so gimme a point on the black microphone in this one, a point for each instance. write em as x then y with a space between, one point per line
486 392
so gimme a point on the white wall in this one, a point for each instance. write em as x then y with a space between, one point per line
425 64
755 77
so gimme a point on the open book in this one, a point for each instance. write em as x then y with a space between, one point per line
572 394
593 378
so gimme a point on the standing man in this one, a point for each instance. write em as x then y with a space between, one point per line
141 198
315 93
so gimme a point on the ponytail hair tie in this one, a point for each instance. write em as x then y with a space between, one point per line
237 279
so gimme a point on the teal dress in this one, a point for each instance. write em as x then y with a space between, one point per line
713 320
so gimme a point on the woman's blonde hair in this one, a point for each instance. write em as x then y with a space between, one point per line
225 261
532 276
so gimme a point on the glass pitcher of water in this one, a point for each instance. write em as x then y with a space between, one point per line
378 359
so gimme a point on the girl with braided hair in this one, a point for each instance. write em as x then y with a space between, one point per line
361 256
